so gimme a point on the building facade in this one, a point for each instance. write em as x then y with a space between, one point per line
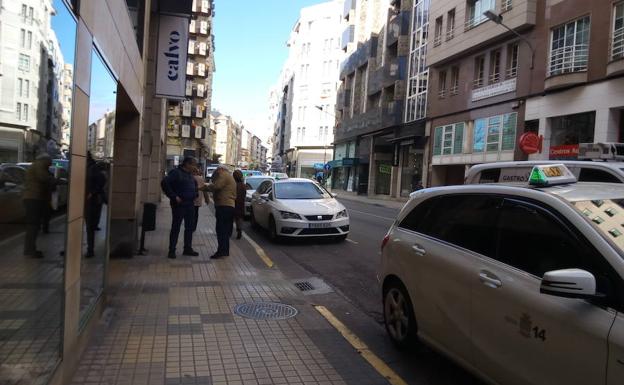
305 122
228 139
380 136
188 125
77 102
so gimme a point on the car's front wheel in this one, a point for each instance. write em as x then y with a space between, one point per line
273 235
399 315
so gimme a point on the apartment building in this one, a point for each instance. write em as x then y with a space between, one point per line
188 132
307 88
379 140
228 139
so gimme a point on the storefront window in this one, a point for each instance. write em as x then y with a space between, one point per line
35 132
100 141
411 170
496 133
384 177
568 131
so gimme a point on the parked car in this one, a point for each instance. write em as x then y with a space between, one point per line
248 173
298 208
520 284
279 175
209 170
12 178
252 184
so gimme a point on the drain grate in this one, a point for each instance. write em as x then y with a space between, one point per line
265 310
304 286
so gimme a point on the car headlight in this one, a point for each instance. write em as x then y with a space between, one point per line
289 215
342 214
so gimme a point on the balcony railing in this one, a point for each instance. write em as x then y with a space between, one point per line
477 83
568 59
473 22
437 40
495 78
506 5
450 34
454 90
512 72
617 45
441 93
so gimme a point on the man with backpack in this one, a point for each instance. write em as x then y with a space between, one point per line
181 188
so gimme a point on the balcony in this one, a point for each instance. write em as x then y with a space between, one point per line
386 76
617 44
568 59
392 114
348 36
359 124
359 57
349 5
394 30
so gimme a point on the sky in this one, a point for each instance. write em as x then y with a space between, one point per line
250 40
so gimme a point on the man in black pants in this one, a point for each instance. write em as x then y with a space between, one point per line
181 189
223 189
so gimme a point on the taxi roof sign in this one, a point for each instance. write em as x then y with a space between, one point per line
550 175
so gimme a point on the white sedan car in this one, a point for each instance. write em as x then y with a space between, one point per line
298 208
252 183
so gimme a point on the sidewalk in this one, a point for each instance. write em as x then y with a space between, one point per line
172 322
393 203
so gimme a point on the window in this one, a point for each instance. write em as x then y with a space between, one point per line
24 63
479 72
441 84
18 111
495 62
449 139
25 112
496 133
22 38
506 5
467 221
475 9
450 24
20 86
595 175
546 242
24 11
512 60
569 47
415 220
617 44
31 13
454 89
437 39
29 41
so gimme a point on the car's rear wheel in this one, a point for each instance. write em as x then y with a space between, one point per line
273 236
399 315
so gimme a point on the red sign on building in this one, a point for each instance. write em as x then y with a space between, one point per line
566 151
530 143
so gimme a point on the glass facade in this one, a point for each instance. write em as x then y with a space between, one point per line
35 132
411 169
496 133
418 71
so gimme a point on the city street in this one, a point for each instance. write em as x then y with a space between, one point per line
349 269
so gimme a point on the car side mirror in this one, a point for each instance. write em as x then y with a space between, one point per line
333 195
569 283
264 197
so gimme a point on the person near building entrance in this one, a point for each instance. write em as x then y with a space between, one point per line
201 196
38 186
181 188
223 188
239 207
95 200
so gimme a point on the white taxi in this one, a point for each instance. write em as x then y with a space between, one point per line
519 284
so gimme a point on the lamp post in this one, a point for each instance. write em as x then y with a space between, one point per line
498 19
325 138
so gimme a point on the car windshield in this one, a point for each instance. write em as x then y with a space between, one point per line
607 215
299 190
253 183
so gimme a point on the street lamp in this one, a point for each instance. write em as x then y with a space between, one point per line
324 138
498 19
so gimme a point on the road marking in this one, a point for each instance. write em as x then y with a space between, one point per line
352 241
259 250
372 215
361 348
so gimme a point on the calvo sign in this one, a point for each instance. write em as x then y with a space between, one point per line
171 62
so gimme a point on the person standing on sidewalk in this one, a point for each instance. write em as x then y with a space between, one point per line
38 186
239 206
223 188
95 199
181 188
201 196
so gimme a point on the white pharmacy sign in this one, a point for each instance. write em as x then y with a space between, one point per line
495 89
171 63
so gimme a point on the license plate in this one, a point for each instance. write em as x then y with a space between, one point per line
320 225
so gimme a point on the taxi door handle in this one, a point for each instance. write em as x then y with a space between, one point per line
489 279
419 250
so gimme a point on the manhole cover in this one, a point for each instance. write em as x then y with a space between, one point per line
265 310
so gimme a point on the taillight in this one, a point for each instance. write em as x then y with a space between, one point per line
385 241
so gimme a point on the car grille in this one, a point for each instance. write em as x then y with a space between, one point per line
331 230
316 217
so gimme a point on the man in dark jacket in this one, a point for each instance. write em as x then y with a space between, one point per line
181 189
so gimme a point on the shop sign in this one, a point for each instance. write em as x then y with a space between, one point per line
385 169
530 143
171 58
567 151
494 90
318 166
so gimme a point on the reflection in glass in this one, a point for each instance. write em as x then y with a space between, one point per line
37 48
100 140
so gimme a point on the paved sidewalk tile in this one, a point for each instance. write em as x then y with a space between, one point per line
173 323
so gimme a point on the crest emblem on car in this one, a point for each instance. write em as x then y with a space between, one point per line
319 217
